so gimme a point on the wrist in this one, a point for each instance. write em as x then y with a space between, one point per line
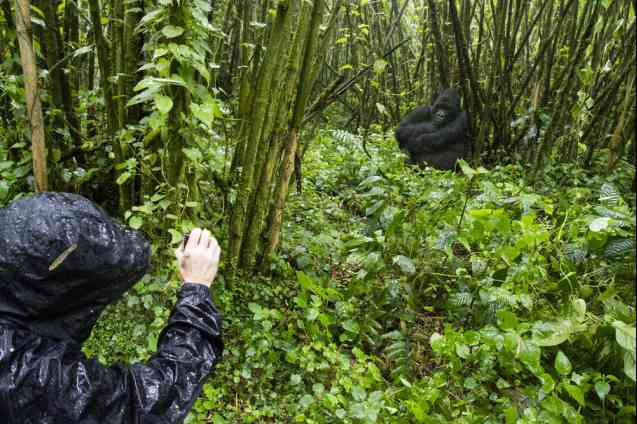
199 283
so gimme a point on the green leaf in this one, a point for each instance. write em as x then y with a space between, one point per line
149 17
529 354
599 224
370 181
123 178
379 66
4 189
152 82
468 171
405 264
171 31
602 388
575 392
625 335
562 364
437 342
82 51
358 393
306 401
375 207
511 415
163 103
176 236
609 194
136 222
351 326
381 109
579 307
6 164
552 333
312 314
507 320
194 155
142 97
462 350
629 365
203 112
548 384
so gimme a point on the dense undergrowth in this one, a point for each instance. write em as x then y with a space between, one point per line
415 296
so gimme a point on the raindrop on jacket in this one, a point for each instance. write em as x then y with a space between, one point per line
62 261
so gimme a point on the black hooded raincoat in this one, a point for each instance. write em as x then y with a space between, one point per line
62 260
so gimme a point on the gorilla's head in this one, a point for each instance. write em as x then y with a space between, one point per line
446 107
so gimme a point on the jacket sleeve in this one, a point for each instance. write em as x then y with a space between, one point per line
160 391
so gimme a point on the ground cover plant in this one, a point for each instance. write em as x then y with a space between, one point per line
421 296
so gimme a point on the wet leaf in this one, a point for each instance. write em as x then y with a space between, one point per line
58 261
562 363
171 31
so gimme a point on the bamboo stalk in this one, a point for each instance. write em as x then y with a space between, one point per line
34 107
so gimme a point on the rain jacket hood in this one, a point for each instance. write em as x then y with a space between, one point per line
62 260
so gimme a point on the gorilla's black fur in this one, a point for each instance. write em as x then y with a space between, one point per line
435 135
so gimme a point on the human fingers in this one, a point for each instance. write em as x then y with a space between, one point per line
193 240
212 243
216 252
205 239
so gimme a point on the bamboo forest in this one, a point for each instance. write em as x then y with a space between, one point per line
425 211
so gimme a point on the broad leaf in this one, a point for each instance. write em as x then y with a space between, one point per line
171 31
562 364
163 103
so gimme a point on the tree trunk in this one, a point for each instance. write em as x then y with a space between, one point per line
287 83
262 101
112 122
55 58
34 107
292 142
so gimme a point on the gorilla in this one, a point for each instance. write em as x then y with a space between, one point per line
435 135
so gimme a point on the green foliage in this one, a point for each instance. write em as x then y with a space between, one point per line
407 295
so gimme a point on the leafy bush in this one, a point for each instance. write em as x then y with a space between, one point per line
409 295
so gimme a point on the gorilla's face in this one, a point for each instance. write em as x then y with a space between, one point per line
440 117
446 107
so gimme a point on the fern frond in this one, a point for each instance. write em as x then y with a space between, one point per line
345 136
619 247
609 194
574 253
461 299
609 213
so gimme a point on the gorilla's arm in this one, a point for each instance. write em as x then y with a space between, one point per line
415 123
426 142
408 134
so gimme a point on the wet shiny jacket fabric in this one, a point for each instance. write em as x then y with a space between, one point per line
62 261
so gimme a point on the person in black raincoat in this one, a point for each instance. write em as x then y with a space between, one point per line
62 261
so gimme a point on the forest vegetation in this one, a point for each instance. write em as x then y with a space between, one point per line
355 288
